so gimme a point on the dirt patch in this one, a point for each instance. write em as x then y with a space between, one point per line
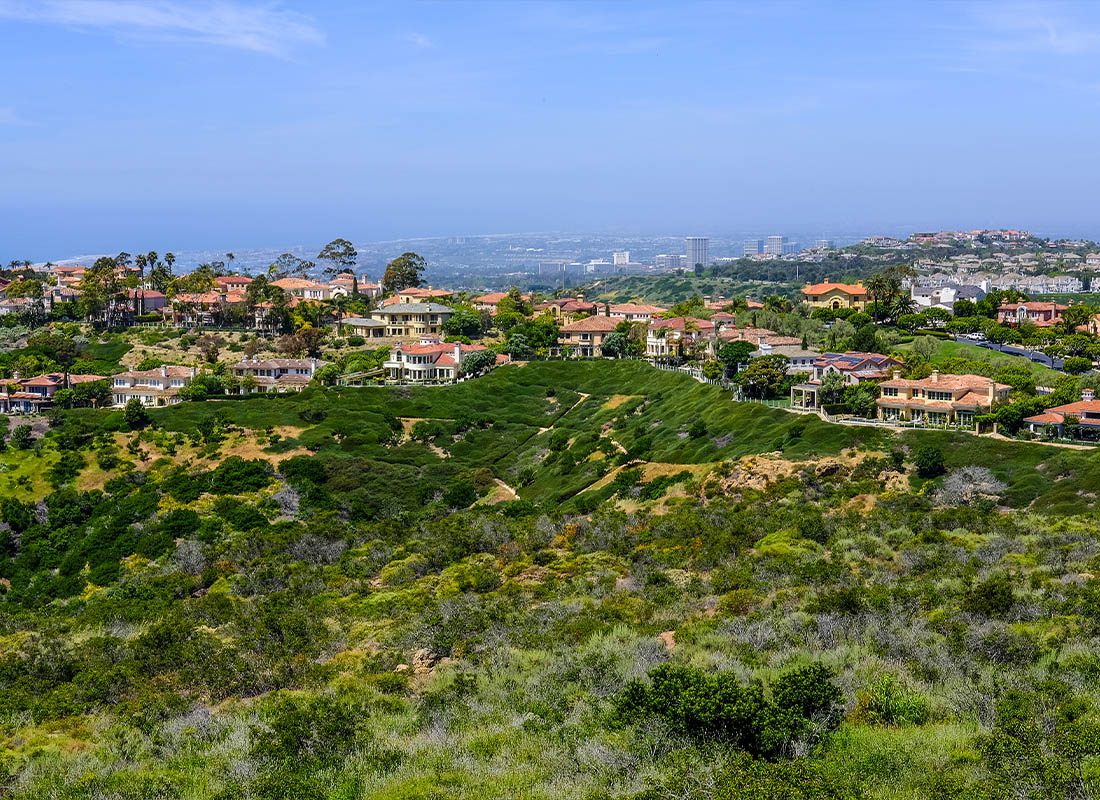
760 471
501 493
617 400
668 639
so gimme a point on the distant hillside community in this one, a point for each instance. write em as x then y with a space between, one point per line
970 340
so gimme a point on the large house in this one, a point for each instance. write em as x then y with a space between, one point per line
33 395
363 326
488 302
413 320
1085 411
667 338
633 312
939 399
153 387
835 295
1041 314
429 361
586 335
418 294
854 368
276 374
567 309
307 289
232 283
945 295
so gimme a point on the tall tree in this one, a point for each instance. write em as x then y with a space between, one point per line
403 272
340 253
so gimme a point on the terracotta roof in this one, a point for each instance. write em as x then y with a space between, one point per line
297 283
226 280
1033 305
198 298
825 288
594 324
491 299
947 383
681 323
636 308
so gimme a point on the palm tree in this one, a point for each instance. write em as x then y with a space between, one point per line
877 288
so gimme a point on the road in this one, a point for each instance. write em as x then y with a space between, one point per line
1015 350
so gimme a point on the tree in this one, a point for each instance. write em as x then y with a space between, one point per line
964 308
514 303
403 272
928 461
340 253
327 375
764 376
22 437
210 347
312 338
1077 365
463 322
614 344
289 264
478 361
135 414
734 354
925 347
865 340
518 347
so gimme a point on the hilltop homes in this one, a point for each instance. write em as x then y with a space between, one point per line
939 399
413 320
276 375
566 309
34 395
418 294
835 295
1085 413
633 312
667 338
153 387
852 367
1040 314
585 336
430 361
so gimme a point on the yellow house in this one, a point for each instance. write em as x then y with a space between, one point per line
835 295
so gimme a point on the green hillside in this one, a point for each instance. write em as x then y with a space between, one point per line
562 580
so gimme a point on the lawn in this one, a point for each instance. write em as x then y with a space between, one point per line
950 349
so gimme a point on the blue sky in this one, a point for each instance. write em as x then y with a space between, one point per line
177 124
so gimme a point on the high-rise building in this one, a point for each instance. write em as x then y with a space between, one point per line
824 244
753 247
666 261
696 248
620 258
774 245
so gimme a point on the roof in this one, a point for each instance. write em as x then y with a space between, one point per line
593 324
947 383
279 363
681 323
492 298
297 283
364 322
414 308
1033 305
55 378
225 280
424 291
199 298
824 288
148 294
174 371
846 362
636 308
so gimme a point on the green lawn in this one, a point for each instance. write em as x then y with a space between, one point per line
993 360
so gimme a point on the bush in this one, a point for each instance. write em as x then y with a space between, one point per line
135 414
236 475
928 461
990 598
888 702
22 437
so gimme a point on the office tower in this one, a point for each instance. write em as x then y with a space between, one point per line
753 247
774 245
620 258
696 249
824 244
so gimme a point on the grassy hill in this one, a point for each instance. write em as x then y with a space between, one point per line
536 585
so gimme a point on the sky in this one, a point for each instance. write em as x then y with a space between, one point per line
177 124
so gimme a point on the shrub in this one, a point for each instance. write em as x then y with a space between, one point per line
889 702
236 475
990 598
928 461
22 437
135 414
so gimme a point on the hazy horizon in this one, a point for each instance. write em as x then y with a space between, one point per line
233 124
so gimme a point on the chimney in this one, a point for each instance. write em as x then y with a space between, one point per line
164 370
1088 395
194 371
992 391
935 376
312 365
897 374
458 353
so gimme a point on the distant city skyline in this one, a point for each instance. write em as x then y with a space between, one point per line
199 124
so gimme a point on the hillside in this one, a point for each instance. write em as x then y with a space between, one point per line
514 587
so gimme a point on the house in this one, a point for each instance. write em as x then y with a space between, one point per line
673 338
194 309
939 399
347 284
413 320
567 309
799 359
276 375
417 294
853 367
33 395
429 361
1086 412
1041 314
363 326
757 336
944 296
586 335
835 295
153 387
488 302
304 288
145 301
633 312
232 283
